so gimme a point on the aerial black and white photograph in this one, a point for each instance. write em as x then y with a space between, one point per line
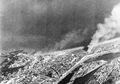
59 41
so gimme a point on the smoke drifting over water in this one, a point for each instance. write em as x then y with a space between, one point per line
51 24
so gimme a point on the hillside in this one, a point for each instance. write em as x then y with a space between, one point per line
73 66
99 63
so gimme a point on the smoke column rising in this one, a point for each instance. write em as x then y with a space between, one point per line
51 24
110 29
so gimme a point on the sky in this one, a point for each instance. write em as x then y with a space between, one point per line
51 24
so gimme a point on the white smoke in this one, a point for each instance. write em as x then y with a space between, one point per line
70 38
116 12
110 29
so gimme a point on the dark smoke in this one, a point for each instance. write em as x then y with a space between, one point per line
51 24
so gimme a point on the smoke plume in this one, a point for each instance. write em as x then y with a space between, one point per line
110 29
51 24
